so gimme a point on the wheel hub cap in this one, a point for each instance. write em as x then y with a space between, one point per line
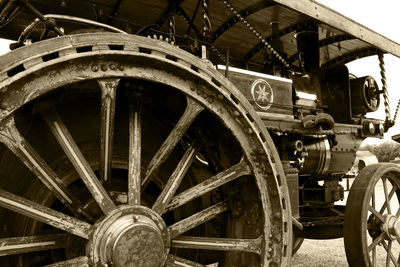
130 236
392 227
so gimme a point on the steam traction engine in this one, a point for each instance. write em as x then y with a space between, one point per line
188 133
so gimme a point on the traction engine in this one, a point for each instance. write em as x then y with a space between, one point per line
189 133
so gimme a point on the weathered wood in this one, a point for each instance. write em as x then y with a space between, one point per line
44 214
18 245
108 97
196 219
223 244
376 213
338 21
79 162
190 113
175 180
389 255
238 170
135 139
387 199
376 241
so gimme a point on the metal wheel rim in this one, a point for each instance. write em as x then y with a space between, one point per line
274 245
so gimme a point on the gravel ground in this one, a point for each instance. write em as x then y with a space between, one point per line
320 253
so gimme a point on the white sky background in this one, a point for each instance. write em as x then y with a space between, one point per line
381 16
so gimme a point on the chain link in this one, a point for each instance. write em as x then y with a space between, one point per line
206 19
213 48
396 112
257 34
388 122
172 29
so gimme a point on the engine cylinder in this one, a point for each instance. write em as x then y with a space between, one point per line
324 159
319 156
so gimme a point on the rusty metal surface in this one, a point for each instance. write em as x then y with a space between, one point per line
71 149
210 177
18 245
45 214
204 88
108 97
76 262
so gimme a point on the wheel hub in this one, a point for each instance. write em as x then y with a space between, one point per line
392 227
130 236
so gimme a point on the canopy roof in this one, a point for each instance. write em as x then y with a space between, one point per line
341 39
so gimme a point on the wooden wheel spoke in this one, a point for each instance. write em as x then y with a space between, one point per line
387 199
376 241
223 244
373 199
82 261
196 219
79 162
390 195
175 261
238 170
134 178
389 253
190 113
398 209
108 97
374 256
175 180
19 245
13 139
376 213
44 214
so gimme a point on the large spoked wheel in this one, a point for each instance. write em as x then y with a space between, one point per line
372 217
126 151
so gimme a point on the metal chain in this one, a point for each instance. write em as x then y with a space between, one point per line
172 29
258 35
388 122
217 52
206 19
396 112
213 48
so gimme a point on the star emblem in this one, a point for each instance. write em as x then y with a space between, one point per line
263 95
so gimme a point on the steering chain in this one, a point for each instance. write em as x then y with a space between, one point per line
388 121
257 34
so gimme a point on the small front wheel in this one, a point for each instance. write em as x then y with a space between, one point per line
372 217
